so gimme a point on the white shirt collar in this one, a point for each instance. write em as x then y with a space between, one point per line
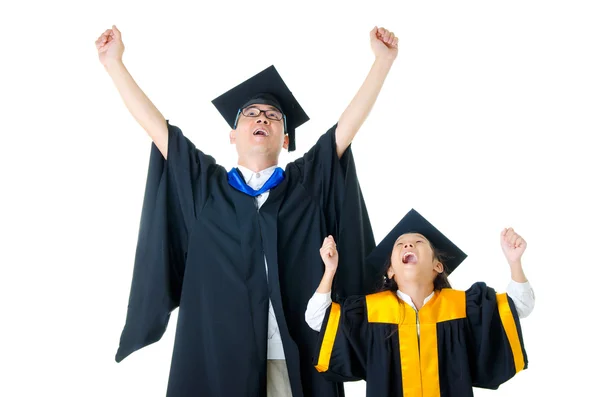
256 179
408 300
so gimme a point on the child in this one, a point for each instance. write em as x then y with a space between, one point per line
420 337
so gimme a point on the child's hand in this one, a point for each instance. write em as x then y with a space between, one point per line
329 254
513 246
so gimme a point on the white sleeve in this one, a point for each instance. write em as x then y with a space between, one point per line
316 309
523 297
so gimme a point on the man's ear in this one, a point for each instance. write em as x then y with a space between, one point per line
286 142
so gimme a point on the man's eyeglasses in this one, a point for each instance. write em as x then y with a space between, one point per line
271 114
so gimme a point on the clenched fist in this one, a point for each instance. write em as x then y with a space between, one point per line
513 245
329 254
384 43
110 46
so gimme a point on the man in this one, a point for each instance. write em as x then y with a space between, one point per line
231 249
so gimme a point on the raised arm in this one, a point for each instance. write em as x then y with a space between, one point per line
385 47
321 300
110 51
519 289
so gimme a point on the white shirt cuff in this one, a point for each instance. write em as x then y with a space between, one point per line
523 297
316 309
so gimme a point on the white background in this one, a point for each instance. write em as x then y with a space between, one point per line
489 118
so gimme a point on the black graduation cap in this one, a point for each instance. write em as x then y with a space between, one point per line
267 87
413 222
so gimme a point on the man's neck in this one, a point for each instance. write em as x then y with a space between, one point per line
257 165
417 292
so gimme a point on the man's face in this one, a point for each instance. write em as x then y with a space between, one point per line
260 130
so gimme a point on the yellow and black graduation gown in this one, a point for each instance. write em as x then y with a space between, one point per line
457 341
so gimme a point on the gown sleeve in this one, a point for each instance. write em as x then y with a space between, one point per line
496 348
343 341
174 189
333 183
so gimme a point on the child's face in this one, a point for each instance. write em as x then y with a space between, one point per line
413 260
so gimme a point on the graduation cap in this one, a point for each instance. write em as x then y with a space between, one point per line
413 222
268 88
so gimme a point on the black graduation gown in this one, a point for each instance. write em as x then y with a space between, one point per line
200 248
467 339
